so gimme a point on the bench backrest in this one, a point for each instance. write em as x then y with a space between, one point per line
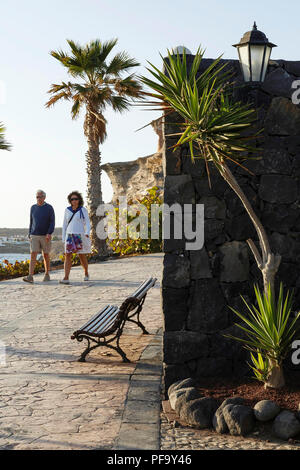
143 288
131 302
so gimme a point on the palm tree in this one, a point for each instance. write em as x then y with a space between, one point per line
214 126
3 144
99 83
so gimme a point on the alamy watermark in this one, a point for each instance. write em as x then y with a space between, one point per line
296 93
178 222
296 354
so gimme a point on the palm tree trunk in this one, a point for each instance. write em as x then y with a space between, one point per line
267 262
94 192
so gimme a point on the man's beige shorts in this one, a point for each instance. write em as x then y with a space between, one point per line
38 244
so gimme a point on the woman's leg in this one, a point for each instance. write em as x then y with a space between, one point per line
84 263
68 265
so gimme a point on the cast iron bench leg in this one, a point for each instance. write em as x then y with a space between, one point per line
117 348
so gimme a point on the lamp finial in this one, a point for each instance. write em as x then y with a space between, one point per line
254 26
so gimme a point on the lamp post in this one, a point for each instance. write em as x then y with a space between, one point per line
254 54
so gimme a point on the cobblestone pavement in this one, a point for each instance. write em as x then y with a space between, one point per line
47 399
186 438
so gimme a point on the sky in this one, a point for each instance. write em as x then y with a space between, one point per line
48 146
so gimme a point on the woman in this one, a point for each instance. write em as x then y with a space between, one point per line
76 234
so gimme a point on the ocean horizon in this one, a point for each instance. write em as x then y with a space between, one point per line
13 257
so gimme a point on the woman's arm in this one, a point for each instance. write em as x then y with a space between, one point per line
87 224
64 226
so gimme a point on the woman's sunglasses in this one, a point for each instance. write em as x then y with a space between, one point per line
74 199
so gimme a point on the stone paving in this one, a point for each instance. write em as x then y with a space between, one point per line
48 400
174 436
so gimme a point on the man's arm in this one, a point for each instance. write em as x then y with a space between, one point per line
51 223
30 222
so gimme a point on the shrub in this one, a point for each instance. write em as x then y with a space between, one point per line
129 245
19 268
75 258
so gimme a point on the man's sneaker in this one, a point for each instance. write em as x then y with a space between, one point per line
46 278
64 281
28 278
86 278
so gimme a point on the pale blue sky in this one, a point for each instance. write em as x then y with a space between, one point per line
48 147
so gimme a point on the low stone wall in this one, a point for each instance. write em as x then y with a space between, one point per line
198 286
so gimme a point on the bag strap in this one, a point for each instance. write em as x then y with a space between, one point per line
71 218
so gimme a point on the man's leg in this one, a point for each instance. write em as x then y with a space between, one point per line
32 264
46 257
84 264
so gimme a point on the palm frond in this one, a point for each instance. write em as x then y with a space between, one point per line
101 85
121 62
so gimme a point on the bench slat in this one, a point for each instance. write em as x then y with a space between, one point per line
102 318
146 288
103 328
141 286
103 324
94 317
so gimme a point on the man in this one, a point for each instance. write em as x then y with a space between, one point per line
42 223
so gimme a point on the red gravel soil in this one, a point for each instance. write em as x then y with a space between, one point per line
252 391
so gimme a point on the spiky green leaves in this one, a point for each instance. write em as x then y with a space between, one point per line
212 123
268 328
3 144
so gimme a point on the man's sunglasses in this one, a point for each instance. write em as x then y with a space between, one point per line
40 197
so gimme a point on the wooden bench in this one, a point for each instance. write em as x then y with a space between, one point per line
106 326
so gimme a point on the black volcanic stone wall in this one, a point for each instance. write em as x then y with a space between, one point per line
198 286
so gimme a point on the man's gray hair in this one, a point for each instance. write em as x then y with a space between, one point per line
40 191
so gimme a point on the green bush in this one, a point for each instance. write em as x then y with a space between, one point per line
19 268
75 258
129 245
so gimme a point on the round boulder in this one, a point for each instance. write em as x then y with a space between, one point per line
199 412
185 383
190 393
239 419
219 423
286 425
176 394
266 410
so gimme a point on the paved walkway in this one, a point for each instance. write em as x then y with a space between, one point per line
187 438
48 400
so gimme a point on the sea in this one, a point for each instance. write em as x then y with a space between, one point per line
13 257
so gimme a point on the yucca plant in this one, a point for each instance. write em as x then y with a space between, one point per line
269 329
98 82
259 366
213 126
3 144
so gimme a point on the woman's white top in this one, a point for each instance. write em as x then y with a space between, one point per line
78 225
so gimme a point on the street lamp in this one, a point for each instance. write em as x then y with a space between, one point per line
254 54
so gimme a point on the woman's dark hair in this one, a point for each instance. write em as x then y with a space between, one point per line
78 194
